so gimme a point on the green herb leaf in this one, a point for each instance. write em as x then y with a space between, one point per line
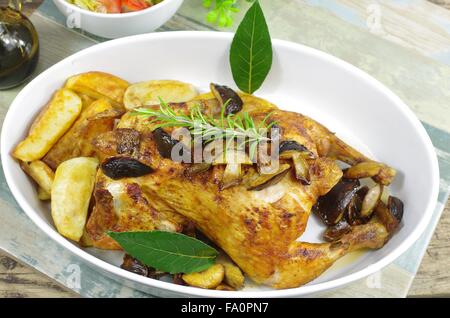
221 12
167 251
201 125
251 51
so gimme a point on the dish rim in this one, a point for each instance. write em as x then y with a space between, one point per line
115 15
100 264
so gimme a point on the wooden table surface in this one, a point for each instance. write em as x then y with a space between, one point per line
432 280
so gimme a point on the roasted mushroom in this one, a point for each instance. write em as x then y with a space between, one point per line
395 206
390 215
290 149
258 182
301 168
133 265
232 174
353 213
332 206
371 200
228 97
362 205
124 167
165 143
379 172
335 232
289 145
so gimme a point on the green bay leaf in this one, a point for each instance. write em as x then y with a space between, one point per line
251 52
167 251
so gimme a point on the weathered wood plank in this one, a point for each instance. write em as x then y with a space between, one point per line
20 281
444 3
433 278
420 26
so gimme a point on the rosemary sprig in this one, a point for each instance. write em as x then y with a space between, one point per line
231 127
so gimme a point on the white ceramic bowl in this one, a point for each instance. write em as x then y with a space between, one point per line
118 25
354 105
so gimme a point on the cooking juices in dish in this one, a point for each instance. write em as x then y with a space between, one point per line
114 6
121 146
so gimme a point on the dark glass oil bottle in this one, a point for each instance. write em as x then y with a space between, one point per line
19 48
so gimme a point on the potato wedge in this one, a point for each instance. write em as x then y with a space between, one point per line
86 240
71 193
204 96
86 100
77 142
49 126
233 276
41 173
99 85
208 279
43 195
148 93
225 287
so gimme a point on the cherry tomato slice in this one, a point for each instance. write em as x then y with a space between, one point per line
134 5
112 6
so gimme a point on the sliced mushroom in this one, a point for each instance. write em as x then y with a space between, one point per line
165 143
379 172
290 149
232 175
189 229
292 145
124 167
386 175
178 280
390 216
331 207
353 213
133 265
258 182
363 170
335 232
228 97
362 205
301 169
371 200
264 158
395 206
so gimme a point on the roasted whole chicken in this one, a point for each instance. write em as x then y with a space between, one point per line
258 229
254 215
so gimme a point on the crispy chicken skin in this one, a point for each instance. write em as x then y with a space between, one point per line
259 230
